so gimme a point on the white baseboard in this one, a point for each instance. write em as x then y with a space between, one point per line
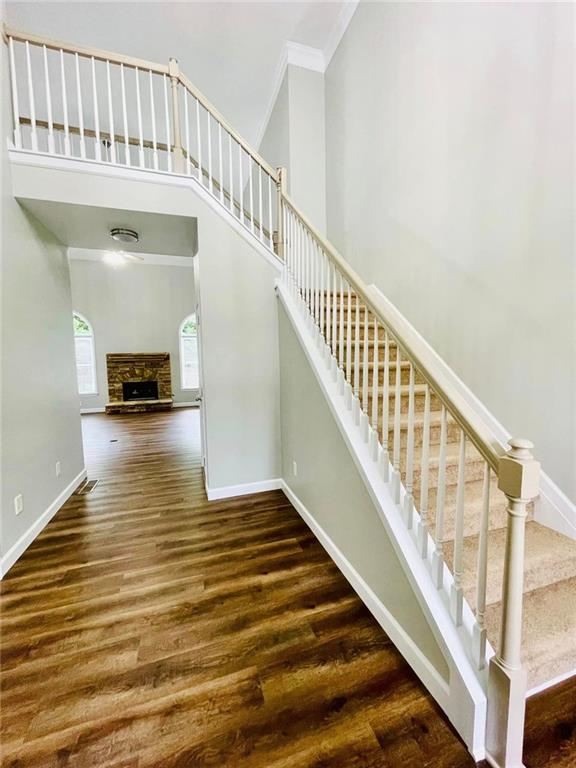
192 404
92 410
421 665
228 491
17 549
552 508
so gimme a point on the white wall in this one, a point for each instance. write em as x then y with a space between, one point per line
295 139
134 308
40 419
238 309
450 136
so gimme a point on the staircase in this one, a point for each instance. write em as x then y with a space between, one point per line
465 501
548 647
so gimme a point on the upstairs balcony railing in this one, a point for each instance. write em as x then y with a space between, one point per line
102 107
96 105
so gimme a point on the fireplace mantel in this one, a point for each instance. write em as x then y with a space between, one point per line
124 367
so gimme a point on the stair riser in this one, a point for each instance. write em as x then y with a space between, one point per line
419 402
452 434
404 374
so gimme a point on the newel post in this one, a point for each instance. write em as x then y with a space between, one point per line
518 478
281 190
174 72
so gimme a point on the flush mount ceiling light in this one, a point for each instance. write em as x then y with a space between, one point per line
119 258
122 235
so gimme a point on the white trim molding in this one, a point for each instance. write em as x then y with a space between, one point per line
338 30
229 491
143 259
191 404
305 56
84 411
18 549
425 670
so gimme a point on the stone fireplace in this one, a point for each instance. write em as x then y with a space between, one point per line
139 381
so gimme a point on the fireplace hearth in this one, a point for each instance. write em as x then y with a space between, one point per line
140 390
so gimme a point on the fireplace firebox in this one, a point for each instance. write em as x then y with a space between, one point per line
140 390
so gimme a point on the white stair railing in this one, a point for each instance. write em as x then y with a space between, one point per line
381 370
96 106
90 104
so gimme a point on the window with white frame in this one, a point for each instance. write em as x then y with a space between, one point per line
85 357
189 377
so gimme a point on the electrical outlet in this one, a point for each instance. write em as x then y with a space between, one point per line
295 469
58 469
18 504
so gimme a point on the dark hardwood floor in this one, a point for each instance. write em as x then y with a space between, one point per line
148 627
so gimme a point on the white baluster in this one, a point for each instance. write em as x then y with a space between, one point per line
125 117
153 115
366 362
424 471
322 293
357 348
349 336
315 253
329 303
33 133
97 147
64 105
409 485
251 193
241 186
110 115
168 125
80 109
209 133
220 171
51 145
15 104
341 341
139 111
199 143
270 223
334 313
231 175
386 409
456 595
479 631
375 372
187 130
260 209
397 413
438 555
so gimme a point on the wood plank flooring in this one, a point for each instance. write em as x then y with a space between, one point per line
149 627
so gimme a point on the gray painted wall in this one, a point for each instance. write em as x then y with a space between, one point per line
295 138
329 486
40 419
450 130
135 308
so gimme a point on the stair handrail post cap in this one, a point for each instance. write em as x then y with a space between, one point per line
518 471
173 67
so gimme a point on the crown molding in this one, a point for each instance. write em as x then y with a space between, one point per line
307 57
148 259
337 33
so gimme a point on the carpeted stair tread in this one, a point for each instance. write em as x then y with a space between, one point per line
549 631
550 557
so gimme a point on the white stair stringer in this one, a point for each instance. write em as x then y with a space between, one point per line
463 697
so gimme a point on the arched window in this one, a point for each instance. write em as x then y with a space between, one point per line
189 353
85 357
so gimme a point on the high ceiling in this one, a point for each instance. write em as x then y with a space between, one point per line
231 51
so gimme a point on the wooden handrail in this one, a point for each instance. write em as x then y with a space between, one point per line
84 51
225 124
413 349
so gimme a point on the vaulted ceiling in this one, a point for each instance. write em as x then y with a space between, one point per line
232 51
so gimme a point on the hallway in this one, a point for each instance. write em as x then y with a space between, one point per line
149 627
